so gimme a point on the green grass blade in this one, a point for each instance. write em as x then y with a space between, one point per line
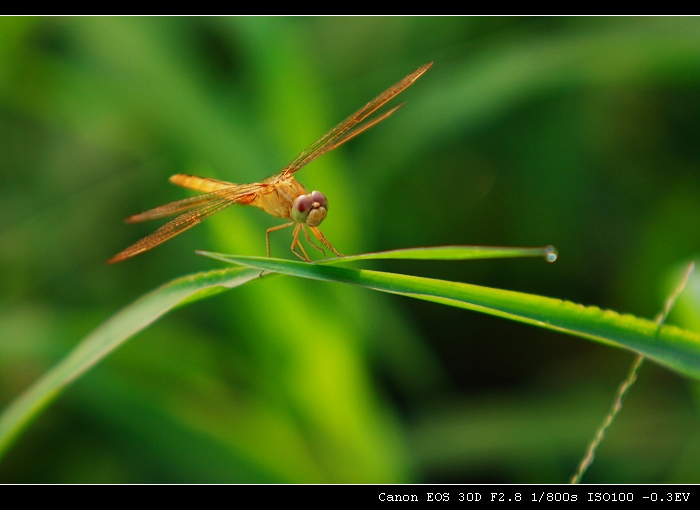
670 346
549 253
110 335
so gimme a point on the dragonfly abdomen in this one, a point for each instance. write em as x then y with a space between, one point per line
203 184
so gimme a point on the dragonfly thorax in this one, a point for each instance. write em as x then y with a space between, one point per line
310 209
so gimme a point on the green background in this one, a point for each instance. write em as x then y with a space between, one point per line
577 132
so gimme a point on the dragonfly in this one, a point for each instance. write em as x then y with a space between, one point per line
281 195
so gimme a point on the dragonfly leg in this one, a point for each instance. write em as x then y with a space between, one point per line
306 233
319 235
295 242
272 229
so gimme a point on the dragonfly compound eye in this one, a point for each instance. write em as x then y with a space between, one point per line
319 197
318 210
300 210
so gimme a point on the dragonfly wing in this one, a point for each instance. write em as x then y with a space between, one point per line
335 137
200 208
169 209
349 135
235 193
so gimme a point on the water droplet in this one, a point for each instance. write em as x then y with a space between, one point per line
550 254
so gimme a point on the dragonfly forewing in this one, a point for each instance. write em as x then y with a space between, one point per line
331 139
197 209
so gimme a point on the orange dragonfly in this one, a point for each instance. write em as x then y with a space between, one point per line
280 195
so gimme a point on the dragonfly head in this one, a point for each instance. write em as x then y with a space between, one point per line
310 209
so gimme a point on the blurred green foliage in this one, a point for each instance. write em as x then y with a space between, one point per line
577 132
